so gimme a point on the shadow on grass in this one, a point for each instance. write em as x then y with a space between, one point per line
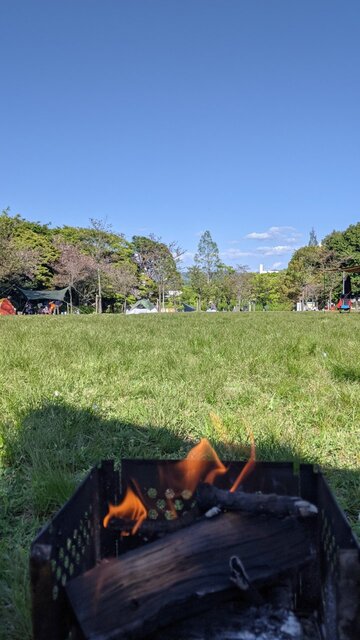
57 444
52 450
346 373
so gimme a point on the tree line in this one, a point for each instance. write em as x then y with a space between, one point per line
106 272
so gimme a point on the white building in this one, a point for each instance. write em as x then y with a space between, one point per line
262 270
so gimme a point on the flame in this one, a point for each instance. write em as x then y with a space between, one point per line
179 480
208 466
131 508
248 467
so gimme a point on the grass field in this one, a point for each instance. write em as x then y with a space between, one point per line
74 390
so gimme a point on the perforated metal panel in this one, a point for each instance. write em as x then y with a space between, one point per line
75 539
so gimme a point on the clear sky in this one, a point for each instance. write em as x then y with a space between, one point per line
176 116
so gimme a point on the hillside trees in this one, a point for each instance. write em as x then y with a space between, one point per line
24 248
108 270
102 265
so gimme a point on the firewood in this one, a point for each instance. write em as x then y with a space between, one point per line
209 497
163 581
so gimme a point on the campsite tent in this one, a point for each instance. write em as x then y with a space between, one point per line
35 298
187 308
142 306
6 308
57 295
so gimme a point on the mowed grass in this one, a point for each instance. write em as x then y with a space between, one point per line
74 390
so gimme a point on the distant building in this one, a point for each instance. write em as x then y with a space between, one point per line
262 270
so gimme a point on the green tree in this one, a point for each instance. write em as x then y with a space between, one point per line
22 251
207 257
199 284
158 262
304 272
344 247
230 287
106 248
72 267
313 239
269 290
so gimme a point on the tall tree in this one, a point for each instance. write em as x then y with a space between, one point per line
100 251
313 239
207 256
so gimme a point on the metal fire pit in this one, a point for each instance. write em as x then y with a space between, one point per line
75 541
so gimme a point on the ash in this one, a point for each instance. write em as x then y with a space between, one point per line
233 622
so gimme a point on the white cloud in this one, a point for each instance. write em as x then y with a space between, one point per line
278 250
233 254
258 236
276 265
287 234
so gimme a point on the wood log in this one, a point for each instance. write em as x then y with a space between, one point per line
209 496
156 584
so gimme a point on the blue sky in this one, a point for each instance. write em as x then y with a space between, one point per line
176 116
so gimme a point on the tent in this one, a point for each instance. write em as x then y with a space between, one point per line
142 306
188 308
6 308
57 295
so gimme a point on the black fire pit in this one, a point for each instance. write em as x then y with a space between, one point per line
326 590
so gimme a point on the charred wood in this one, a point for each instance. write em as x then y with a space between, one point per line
209 496
153 585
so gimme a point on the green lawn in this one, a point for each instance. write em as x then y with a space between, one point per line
74 390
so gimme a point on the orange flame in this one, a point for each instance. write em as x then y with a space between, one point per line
248 467
202 464
131 508
179 480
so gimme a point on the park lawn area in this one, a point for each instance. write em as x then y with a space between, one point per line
74 390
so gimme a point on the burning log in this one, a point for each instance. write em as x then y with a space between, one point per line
212 500
209 497
151 586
